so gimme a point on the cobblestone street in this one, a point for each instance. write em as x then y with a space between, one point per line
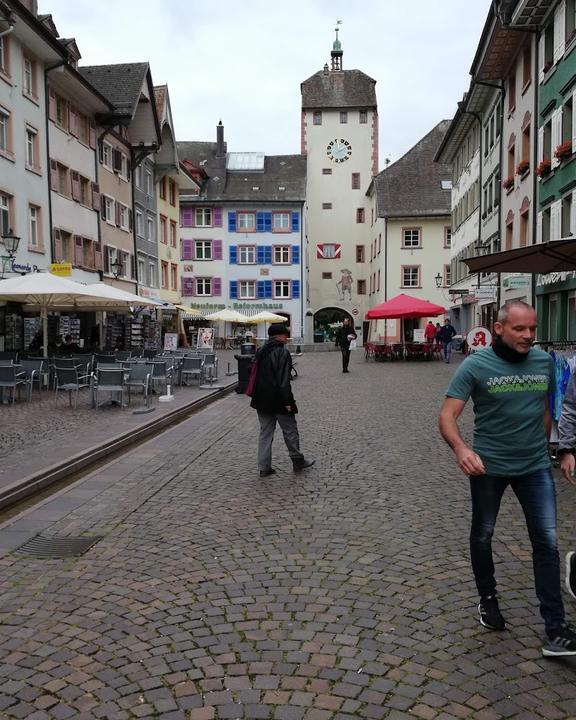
342 592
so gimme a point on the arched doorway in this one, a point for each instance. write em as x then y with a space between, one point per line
326 321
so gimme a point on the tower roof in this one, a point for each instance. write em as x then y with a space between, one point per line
345 89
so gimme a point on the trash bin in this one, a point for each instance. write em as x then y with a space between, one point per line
244 363
247 349
318 337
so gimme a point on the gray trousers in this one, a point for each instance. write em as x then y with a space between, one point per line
291 437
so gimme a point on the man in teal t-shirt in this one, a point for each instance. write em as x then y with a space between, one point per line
508 384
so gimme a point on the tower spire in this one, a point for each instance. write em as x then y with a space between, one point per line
337 53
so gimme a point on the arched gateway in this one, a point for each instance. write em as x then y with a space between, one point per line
326 321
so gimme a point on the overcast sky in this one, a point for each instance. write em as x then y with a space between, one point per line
243 62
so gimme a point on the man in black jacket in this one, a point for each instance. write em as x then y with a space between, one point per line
344 336
273 399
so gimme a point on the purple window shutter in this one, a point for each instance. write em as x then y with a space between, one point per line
217 247
187 249
217 217
186 217
217 286
188 286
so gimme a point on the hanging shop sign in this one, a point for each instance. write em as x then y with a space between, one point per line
485 292
511 283
61 269
27 268
478 338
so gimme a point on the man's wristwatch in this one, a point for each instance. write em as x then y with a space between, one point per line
564 451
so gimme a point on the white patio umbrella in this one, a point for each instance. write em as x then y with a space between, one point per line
227 315
45 291
265 316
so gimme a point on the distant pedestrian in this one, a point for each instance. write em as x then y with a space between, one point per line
509 384
273 399
344 336
446 334
430 332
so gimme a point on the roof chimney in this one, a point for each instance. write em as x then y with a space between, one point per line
220 140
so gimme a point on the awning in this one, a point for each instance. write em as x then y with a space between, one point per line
542 258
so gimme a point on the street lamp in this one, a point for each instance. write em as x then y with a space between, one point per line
10 242
438 280
116 268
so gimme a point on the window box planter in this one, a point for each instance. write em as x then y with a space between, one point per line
564 150
544 168
508 184
522 168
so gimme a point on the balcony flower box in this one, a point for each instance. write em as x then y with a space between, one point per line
544 168
508 184
522 168
564 150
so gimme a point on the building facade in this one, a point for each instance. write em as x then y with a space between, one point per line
410 243
339 139
27 47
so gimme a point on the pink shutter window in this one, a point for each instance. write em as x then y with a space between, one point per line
217 248
75 182
72 121
217 217
92 136
52 104
78 251
57 246
98 256
54 175
187 217
217 286
187 249
96 197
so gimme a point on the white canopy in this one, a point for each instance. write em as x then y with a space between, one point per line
265 316
227 315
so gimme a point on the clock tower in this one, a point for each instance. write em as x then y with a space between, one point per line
339 137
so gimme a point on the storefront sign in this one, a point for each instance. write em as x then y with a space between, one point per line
252 306
485 292
61 269
171 341
478 338
510 283
207 307
556 281
205 339
19 268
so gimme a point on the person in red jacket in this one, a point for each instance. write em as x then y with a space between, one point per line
430 332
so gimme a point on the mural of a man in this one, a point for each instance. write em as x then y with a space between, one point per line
344 285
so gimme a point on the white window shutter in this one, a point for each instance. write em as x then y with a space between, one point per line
555 220
540 145
539 228
556 134
574 121
541 45
559 31
573 215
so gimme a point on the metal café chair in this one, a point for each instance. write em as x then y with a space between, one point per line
191 368
35 369
11 378
109 380
10 356
140 376
210 365
160 375
69 380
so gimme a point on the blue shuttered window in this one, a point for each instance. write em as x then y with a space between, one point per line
264 289
263 222
260 222
233 254
264 255
295 254
295 222
267 222
295 288
234 289
231 222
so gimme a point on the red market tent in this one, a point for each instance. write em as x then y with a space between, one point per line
404 306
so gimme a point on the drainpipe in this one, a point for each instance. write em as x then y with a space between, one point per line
7 32
535 192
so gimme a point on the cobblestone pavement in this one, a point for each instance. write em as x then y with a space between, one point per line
343 592
59 431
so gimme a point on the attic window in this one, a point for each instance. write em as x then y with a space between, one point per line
255 187
446 184
281 187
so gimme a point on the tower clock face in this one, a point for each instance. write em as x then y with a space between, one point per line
339 150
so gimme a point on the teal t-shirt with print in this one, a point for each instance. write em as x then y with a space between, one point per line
509 402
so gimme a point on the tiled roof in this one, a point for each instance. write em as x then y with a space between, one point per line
412 186
280 171
121 84
332 89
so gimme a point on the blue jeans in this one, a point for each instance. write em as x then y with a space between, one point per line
447 348
537 496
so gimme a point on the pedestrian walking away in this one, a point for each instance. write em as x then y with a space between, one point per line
430 332
273 399
445 335
566 450
508 384
344 336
